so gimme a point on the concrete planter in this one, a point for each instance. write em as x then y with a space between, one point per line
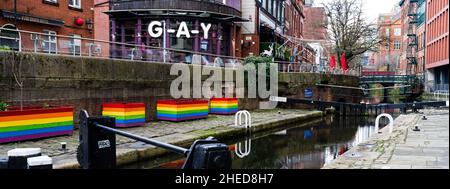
224 106
126 114
181 110
35 122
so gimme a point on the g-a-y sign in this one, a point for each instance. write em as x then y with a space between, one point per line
155 29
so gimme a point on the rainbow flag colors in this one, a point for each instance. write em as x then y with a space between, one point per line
181 110
34 123
126 114
224 106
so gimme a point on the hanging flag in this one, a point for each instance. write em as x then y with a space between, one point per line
344 63
333 61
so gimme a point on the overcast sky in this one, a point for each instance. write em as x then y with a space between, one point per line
372 7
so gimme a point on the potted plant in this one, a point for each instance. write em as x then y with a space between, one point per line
224 106
126 114
181 110
33 122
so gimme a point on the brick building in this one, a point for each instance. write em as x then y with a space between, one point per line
72 18
294 18
437 44
102 26
388 56
315 32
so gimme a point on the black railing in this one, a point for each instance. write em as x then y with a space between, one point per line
213 6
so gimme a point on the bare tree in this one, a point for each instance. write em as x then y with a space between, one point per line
349 30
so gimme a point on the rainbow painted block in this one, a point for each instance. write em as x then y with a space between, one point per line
34 123
181 110
224 106
126 114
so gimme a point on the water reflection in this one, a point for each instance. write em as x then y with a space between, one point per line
309 147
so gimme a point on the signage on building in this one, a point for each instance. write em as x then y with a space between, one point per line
308 93
156 29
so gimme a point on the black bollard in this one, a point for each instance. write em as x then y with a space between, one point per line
3 162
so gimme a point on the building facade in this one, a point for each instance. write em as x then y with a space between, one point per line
437 44
250 29
315 32
101 27
413 57
389 51
212 29
70 18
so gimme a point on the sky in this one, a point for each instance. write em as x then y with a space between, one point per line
372 7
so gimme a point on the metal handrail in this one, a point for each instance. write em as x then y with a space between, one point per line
166 146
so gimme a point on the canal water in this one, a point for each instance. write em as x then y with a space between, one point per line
309 146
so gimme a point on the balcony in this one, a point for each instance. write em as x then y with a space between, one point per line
196 8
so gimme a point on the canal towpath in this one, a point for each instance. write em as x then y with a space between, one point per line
404 148
182 134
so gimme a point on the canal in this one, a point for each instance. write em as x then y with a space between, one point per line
309 146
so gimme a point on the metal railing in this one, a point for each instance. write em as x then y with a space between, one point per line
53 44
211 6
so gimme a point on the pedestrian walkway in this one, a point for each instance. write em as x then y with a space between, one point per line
404 148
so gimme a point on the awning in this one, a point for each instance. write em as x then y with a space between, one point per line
31 18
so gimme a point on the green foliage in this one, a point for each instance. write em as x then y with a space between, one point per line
3 106
258 61
46 106
5 48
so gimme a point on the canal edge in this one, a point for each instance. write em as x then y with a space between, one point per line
126 156
378 149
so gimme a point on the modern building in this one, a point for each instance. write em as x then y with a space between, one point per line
70 18
437 44
212 28
389 51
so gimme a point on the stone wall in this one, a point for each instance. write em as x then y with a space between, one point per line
86 83
337 88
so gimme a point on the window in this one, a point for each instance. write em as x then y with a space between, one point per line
75 3
51 1
387 32
397 31
75 45
50 42
397 45
10 38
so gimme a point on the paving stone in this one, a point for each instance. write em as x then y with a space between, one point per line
406 149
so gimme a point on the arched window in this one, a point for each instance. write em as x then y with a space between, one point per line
10 37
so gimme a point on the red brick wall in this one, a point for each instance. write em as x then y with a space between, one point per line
61 11
101 26
315 23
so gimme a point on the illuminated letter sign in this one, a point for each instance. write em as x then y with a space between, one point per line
151 29
155 29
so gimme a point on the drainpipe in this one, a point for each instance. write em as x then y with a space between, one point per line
15 13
